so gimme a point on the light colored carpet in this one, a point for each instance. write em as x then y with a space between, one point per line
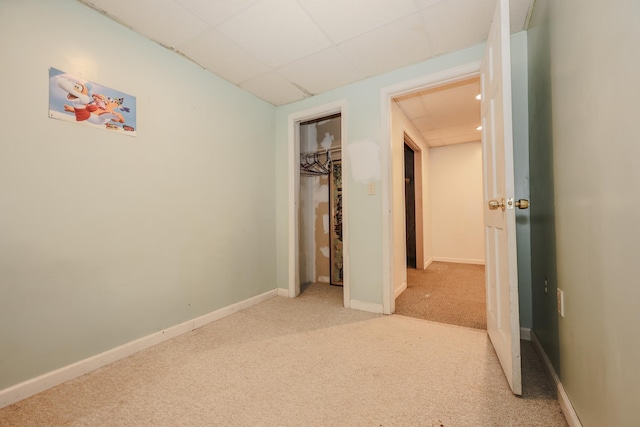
299 362
446 292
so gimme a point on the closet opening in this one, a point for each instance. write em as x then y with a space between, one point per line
320 207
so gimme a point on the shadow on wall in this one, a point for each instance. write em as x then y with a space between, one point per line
543 231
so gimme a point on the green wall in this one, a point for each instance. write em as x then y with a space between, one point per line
584 105
106 238
543 237
363 121
520 111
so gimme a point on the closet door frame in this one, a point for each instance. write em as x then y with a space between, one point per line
294 121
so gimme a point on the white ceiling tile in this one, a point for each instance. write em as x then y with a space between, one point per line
462 131
273 88
276 31
342 20
424 123
456 24
461 139
321 71
164 21
395 45
452 104
432 134
452 108
254 37
446 114
218 54
433 143
412 105
215 12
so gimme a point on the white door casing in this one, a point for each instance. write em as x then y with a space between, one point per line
438 78
294 120
503 320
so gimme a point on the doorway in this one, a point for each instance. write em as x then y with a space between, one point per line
318 230
410 204
320 212
498 188
444 121
397 213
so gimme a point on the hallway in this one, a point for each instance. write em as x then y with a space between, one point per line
446 292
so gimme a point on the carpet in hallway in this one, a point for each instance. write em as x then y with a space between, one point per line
446 292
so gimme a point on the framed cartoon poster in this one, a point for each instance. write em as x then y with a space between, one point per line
78 100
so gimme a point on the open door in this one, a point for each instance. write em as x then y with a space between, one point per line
503 320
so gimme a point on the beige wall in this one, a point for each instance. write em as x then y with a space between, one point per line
455 180
451 196
399 126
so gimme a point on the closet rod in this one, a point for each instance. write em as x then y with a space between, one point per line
322 151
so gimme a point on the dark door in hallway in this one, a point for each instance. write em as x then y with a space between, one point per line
410 204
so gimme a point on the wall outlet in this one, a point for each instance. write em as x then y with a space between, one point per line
371 189
561 302
546 286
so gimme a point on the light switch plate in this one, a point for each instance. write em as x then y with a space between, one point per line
371 190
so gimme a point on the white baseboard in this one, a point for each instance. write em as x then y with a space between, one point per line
366 306
401 289
51 379
459 260
428 263
563 399
525 334
282 292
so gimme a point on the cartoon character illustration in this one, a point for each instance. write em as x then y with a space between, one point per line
78 94
94 108
110 109
73 98
106 109
99 100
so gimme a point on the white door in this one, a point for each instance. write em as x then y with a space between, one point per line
503 320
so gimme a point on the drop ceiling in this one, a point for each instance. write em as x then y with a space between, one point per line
445 115
286 50
283 51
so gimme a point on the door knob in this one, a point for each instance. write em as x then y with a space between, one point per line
500 204
495 204
520 204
